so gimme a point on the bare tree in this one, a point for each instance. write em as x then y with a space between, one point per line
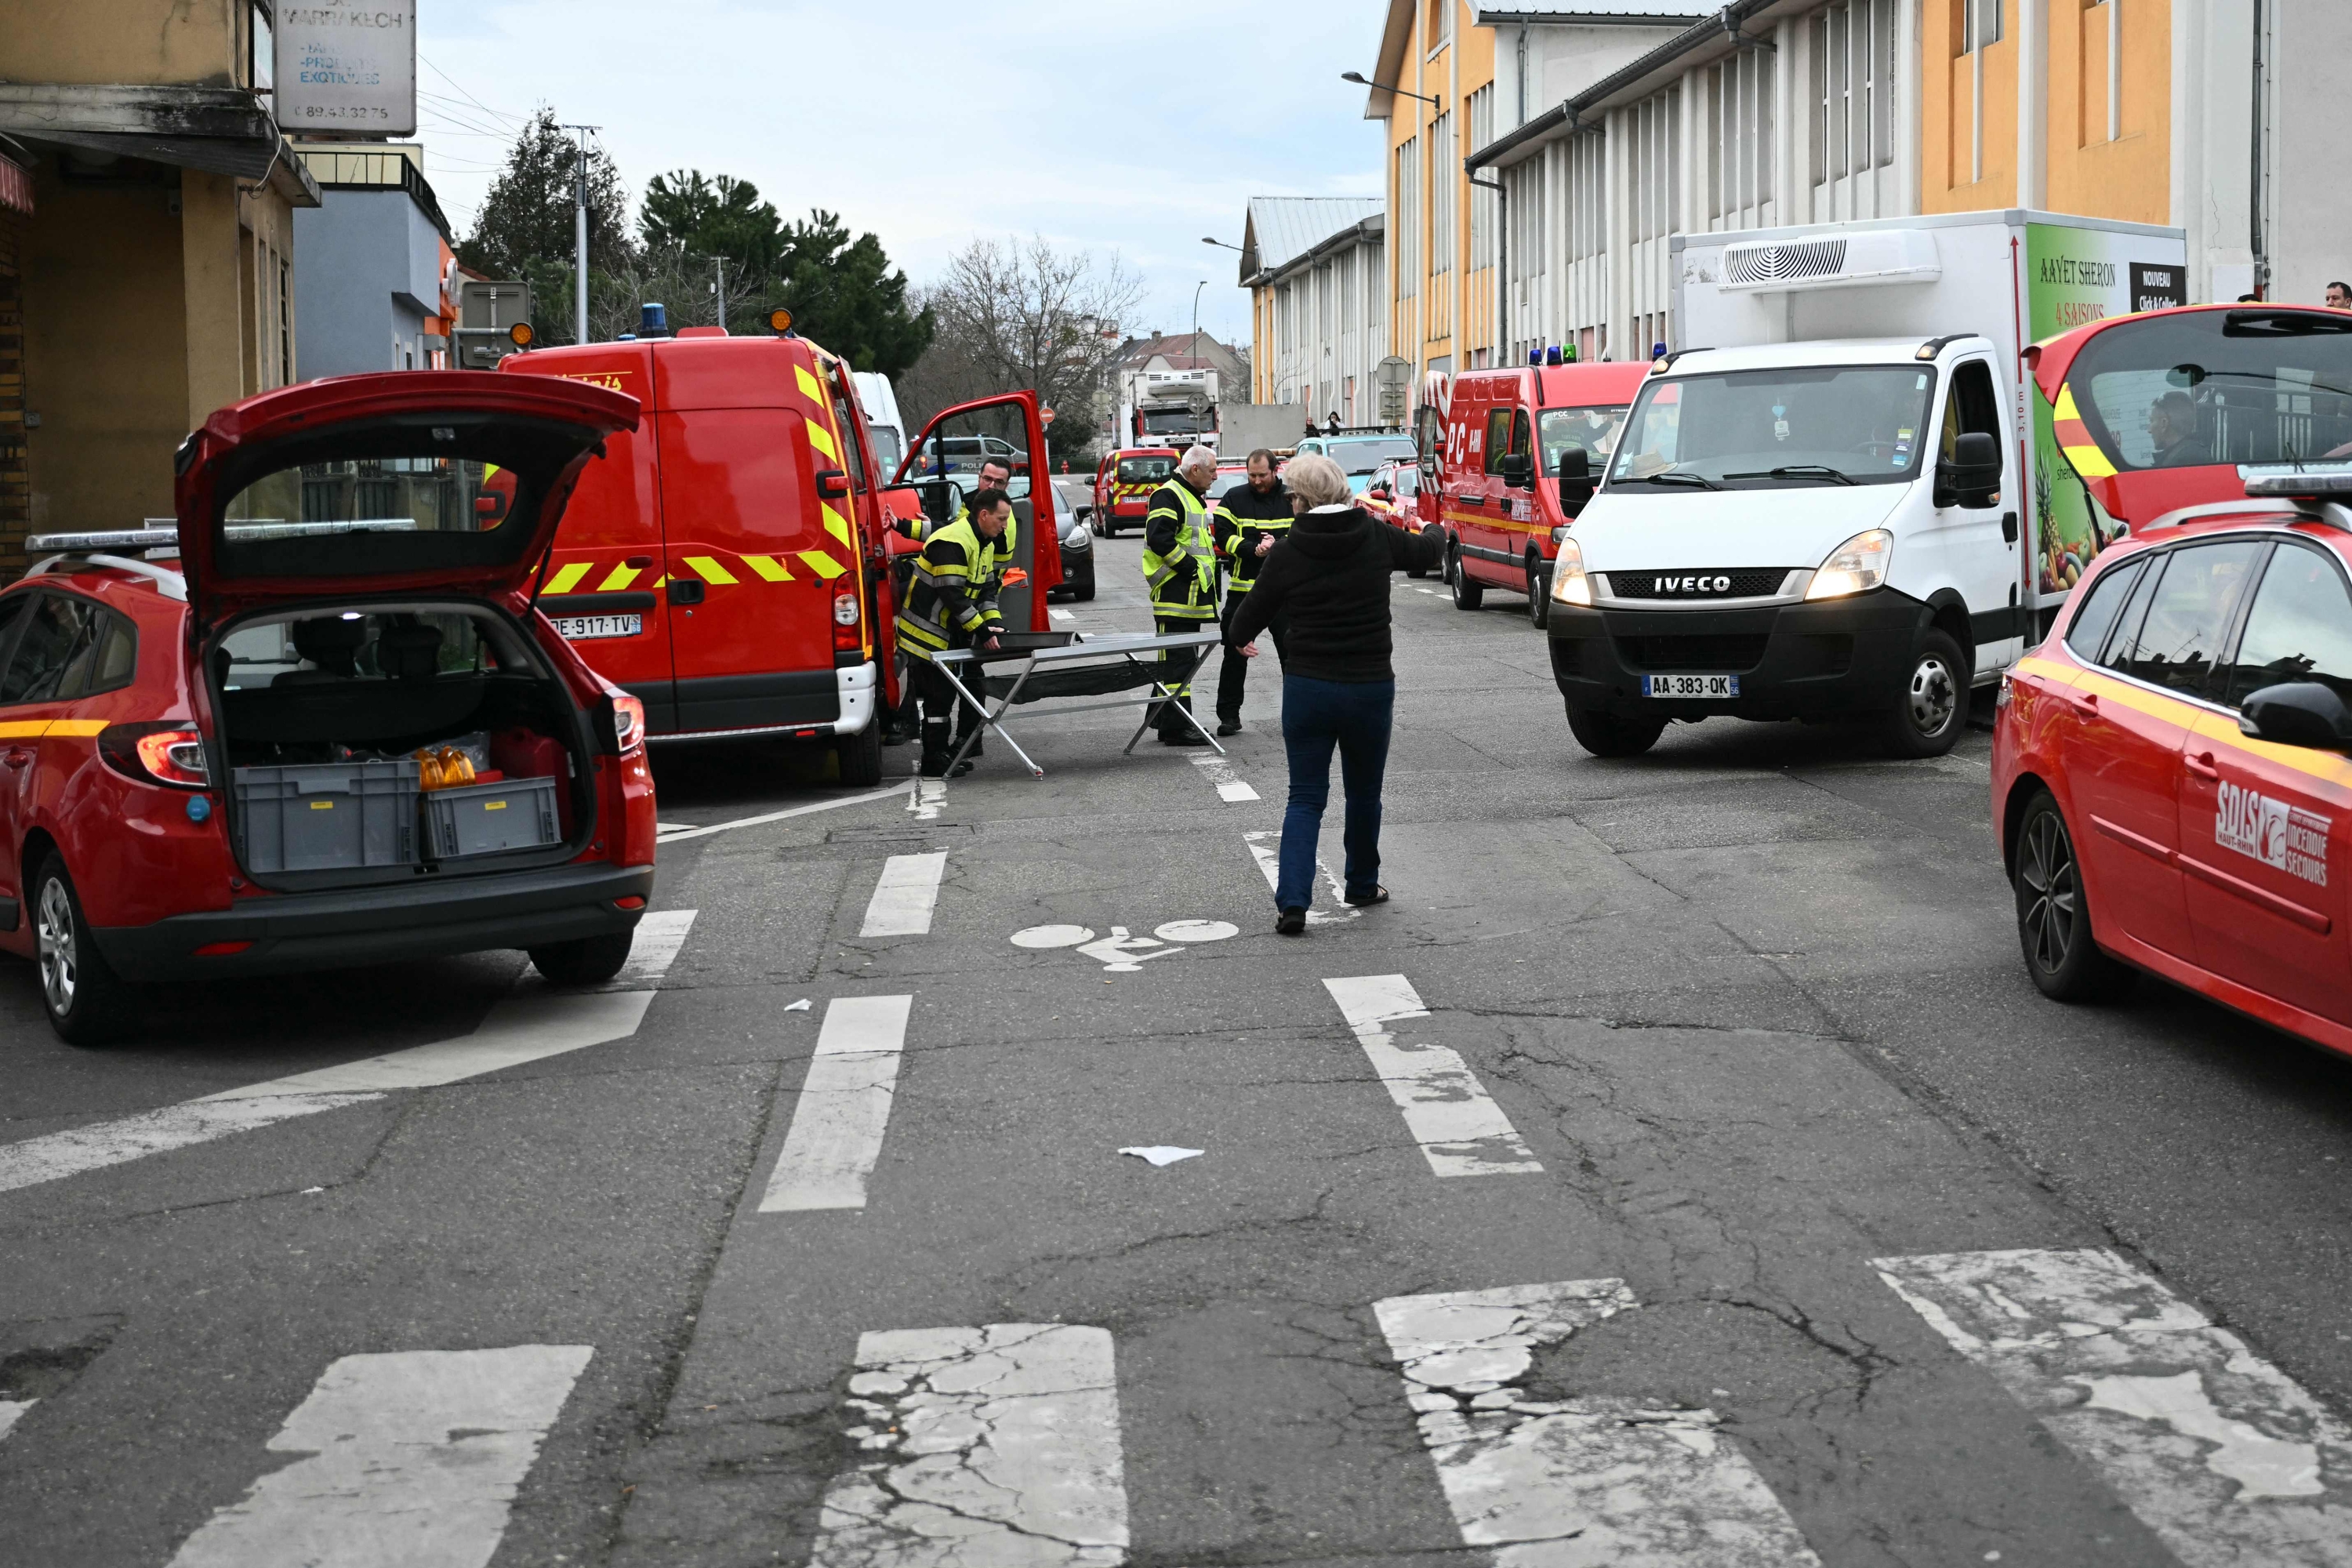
1019 315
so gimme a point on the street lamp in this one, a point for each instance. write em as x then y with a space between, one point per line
1210 239
1196 317
1358 78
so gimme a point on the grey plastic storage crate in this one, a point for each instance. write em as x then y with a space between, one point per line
329 816
484 818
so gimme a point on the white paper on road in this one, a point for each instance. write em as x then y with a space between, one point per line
2225 1457
408 1458
995 1447
843 1109
13 1411
903 898
531 1023
1594 1482
1461 1131
1266 849
1220 773
1164 1153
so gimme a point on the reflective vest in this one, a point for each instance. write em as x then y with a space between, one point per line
953 594
1183 583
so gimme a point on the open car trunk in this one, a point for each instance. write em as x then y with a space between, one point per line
367 741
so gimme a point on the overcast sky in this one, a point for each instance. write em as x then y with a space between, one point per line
1113 126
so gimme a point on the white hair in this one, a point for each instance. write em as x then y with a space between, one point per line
1316 480
1196 456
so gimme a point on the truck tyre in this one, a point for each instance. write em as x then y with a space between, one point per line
1467 594
1932 708
1607 735
861 755
2054 918
87 1002
586 961
1539 594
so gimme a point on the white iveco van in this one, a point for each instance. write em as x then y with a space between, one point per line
1797 531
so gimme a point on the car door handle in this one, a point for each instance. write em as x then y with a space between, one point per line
18 757
2202 765
2086 703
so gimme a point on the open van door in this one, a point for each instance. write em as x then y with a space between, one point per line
949 453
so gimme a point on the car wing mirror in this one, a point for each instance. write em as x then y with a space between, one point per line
2298 713
1575 480
1971 475
1516 469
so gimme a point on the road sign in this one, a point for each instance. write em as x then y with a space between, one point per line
347 67
1393 378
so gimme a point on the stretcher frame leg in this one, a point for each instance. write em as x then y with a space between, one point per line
1165 696
990 721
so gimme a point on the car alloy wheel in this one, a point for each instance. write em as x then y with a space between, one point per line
54 932
2050 893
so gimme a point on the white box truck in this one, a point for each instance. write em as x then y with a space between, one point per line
1840 495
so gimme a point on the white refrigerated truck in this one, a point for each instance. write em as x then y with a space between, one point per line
1839 495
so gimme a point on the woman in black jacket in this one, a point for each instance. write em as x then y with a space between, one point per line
1330 581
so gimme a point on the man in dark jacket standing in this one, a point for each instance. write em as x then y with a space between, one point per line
1331 579
1247 523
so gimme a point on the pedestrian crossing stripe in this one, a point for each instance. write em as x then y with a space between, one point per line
621 577
768 567
711 571
567 578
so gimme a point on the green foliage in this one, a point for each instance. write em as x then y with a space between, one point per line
684 211
525 228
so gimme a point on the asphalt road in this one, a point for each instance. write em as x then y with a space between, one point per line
1681 1169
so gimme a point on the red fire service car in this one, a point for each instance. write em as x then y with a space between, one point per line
728 564
1506 499
1123 485
332 730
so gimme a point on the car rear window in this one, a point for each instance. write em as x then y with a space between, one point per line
1144 471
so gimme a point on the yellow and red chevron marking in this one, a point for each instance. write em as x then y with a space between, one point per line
2074 437
719 570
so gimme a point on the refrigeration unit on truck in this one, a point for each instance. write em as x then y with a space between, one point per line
1173 408
1890 451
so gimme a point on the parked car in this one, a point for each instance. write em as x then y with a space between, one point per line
1396 495
944 456
2168 775
1123 486
1077 557
254 759
1359 455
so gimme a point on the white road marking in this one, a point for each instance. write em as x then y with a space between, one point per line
2226 1459
1221 773
676 836
1061 617
1461 1131
532 1023
409 1457
994 1446
1052 936
1430 591
1119 952
843 1107
901 905
928 796
1576 1482
672 826
1264 847
13 1411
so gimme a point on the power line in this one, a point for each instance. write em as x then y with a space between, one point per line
452 81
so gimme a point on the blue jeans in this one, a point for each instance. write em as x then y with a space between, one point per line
1317 715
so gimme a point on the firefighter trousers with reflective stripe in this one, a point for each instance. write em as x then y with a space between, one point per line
1176 668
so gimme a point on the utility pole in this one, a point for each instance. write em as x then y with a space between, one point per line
580 238
720 289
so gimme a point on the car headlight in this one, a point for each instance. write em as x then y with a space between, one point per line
1569 585
1077 539
1854 567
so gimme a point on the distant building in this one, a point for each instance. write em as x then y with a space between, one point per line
1316 269
1164 387
146 249
377 268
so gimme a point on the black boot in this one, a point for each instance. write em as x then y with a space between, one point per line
937 753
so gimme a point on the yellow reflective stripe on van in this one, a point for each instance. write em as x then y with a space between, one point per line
822 440
768 568
810 388
566 579
823 565
836 525
620 578
711 571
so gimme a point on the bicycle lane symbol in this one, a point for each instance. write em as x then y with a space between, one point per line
1120 953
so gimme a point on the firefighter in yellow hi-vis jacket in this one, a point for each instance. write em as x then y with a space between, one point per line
952 603
1179 566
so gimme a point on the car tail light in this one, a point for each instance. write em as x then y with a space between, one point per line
846 633
222 949
160 754
628 722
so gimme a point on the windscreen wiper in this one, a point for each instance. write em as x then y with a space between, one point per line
1672 477
1801 471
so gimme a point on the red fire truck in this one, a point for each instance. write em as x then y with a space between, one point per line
728 562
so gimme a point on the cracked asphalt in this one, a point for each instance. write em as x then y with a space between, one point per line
1753 1002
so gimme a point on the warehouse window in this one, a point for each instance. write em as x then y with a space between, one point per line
1445 178
1979 25
1738 173
1482 201
1853 88
1408 214
285 321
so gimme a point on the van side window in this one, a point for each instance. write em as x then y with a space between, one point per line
2195 605
2299 629
845 415
1973 408
1498 438
2086 634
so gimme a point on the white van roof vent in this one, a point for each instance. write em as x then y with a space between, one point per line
1871 256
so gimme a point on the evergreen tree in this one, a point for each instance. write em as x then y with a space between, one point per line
845 294
525 228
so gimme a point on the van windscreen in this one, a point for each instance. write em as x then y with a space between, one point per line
1778 427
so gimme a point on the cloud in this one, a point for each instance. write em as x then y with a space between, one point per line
1121 127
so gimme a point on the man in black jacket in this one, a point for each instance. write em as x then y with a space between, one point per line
1247 523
